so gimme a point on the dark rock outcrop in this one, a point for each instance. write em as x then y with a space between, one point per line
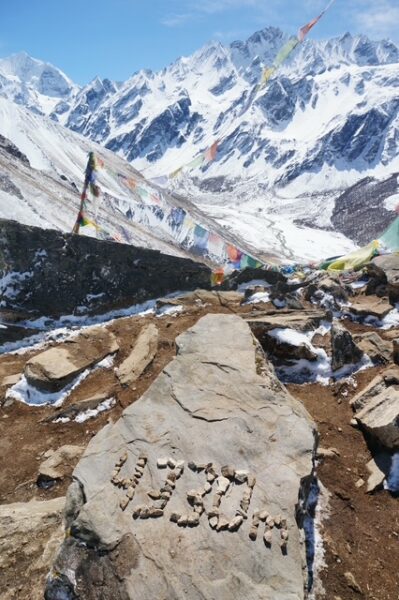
50 273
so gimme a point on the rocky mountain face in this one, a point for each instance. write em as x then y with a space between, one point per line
288 153
345 87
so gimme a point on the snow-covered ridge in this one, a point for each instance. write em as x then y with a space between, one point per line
327 121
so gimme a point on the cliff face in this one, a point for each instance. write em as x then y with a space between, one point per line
52 273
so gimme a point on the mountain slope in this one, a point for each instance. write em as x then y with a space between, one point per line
286 155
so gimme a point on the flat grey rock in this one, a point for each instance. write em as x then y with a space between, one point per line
142 354
209 408
52 369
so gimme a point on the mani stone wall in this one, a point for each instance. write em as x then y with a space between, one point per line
199 490
52 273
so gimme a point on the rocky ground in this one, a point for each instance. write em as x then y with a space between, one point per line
334 346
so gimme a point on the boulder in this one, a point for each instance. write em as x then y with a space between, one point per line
30 534
378 350
74 409
379 384
59 462
370 306
219 298
378 468
198 489
303 321
142 354
53 369
386 269
380 418
285 349
344 349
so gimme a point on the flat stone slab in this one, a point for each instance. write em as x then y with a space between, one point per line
52 369
304 321
142 354
380 418
368 306
194 492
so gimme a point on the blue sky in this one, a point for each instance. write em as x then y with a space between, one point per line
115 38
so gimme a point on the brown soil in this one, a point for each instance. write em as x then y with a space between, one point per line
362 531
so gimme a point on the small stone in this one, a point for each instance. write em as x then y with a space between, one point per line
165 495
240 512
270 521
213 522
192 466
141 463
207 488
223 523
268 537
251 481
182 522
174 517
277 521
191 496
168 487
172 477
144 513
255 520
130 492
327 453
160 504
241 476
214 512
360 483
162 463
137 511
154 494
123 503
236 523
244 504
228 472
284 534
155 513
179 472
122 459
180 465
253 533
217 501
223 485
352 583
193 519
115 474
171 463
211 476
199 508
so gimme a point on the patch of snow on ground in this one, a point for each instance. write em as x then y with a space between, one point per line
93 412
24 392
391 320
170 310
258 297
317 513
254 283
318 371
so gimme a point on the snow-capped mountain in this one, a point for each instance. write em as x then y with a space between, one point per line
287 154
